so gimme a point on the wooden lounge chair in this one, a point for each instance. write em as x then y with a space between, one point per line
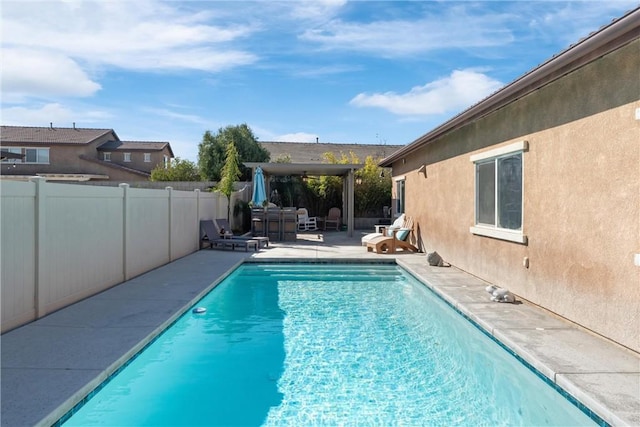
390 244
224 229
209 234
333 218
402 221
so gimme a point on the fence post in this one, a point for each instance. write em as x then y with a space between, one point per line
197 191
170 234
125 230
40 233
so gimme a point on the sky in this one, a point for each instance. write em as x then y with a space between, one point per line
356 72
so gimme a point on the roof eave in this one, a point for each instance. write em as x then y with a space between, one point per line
621 32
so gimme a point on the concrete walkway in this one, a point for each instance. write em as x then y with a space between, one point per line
50 364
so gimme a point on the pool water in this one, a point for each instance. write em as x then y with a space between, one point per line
325 344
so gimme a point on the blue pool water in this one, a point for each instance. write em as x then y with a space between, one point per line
325 344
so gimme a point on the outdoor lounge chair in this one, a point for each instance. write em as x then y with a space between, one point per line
210 234
225 231
387 230
389 244
333 217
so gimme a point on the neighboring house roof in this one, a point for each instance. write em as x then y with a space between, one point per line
606 40
114 166
135 146
75 136
50 135
313 152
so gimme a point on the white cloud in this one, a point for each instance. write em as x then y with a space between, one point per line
140 35
188 118
297 137
450 94
395 38
54 113
27 71
315 9
575 20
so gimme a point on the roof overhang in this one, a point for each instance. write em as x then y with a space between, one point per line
621 32
312 169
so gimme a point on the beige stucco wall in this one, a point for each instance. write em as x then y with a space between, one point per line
581 178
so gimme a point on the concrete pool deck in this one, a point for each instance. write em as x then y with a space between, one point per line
49 364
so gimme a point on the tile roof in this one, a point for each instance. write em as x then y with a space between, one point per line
50 135
313 152
114 166
133 145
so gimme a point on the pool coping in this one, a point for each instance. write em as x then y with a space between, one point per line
625 411
66 410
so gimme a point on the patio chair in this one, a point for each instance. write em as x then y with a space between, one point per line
305 222
209 233
401 222
333 218
389 244
225 231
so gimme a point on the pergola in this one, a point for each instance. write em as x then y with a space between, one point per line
346 171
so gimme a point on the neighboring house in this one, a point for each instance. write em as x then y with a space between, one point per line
537 187
313 152
78 154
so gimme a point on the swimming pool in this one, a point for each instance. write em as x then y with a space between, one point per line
324 344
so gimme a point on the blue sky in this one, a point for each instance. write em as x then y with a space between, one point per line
350 72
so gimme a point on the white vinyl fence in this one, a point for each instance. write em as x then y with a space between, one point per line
61 243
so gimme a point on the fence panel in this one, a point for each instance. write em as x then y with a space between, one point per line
62 243
184 223
147 230
81 247
17 253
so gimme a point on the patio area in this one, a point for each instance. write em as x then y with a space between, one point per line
49 364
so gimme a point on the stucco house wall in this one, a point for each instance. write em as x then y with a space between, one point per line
136 157
581 196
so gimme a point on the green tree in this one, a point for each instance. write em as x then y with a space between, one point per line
177 170
212 149
373 189
230 174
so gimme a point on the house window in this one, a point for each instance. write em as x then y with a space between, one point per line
127 157
36 155
166 162
499 193
13 151
399 196
107 157
147 157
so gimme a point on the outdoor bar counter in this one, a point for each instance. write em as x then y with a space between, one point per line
278 224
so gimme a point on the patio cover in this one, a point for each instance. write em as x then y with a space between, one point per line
346 171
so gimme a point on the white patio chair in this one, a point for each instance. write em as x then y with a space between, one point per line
305 222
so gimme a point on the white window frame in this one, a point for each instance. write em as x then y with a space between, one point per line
147 157
400 203
107 156
37 150
494 231
127 157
